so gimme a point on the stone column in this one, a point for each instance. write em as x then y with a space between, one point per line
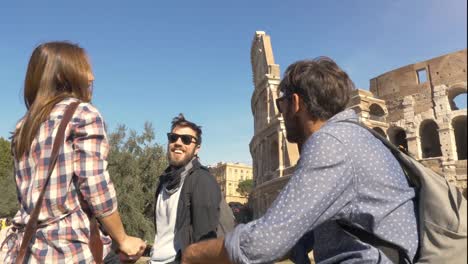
449 150
441 102
408 111
449 170
414 146
281 150
447 142
412 138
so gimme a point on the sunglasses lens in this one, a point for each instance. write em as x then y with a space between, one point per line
172 137
186 139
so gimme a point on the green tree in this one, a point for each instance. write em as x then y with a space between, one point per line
8 200
245 187
135 161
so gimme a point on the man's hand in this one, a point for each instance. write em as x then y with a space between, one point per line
208 251
132 249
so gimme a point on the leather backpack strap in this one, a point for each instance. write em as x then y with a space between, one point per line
95 242
31 226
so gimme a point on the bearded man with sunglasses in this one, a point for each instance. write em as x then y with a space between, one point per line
187 196
345 176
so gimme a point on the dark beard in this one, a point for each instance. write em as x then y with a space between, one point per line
292 131
181 163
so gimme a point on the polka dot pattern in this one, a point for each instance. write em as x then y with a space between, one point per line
343 173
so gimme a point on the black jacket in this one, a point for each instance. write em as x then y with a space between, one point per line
198 207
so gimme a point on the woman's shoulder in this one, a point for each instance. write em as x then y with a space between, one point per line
88 110
84 113
84 109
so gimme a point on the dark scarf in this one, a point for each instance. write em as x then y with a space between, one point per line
174 178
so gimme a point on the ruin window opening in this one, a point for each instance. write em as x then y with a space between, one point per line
457 100
459 127
422 76
430 141
377 113
398 137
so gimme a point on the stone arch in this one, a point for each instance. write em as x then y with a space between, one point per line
376 112
380 131
397 136
459 127
454 92
430 141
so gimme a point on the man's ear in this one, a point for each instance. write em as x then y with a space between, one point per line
295 103
197 148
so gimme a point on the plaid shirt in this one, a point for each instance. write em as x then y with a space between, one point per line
64 228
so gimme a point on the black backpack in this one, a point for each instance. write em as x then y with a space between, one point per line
441 212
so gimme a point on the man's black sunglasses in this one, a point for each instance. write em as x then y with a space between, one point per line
186 139
281 98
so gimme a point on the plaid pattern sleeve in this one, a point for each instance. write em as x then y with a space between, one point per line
90 161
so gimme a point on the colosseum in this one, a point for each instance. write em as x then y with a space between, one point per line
412 106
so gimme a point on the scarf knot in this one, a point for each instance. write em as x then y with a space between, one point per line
173 179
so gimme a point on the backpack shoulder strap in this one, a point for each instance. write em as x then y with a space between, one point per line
385 141
404 159
391 250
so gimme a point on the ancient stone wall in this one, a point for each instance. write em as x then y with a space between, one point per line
271 153
419 81
419 99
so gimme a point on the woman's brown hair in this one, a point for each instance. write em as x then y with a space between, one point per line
56 70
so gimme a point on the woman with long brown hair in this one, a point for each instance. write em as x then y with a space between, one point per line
59 74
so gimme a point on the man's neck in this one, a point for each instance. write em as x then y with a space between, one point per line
309 128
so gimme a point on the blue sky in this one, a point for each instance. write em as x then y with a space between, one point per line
155 59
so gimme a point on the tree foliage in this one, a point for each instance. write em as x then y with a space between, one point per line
245 187
135 161
8 198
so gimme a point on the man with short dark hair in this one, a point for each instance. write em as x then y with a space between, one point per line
187 196
344 175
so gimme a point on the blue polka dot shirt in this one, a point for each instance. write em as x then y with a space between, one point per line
343 173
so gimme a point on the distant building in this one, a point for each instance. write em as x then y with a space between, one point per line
229 175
